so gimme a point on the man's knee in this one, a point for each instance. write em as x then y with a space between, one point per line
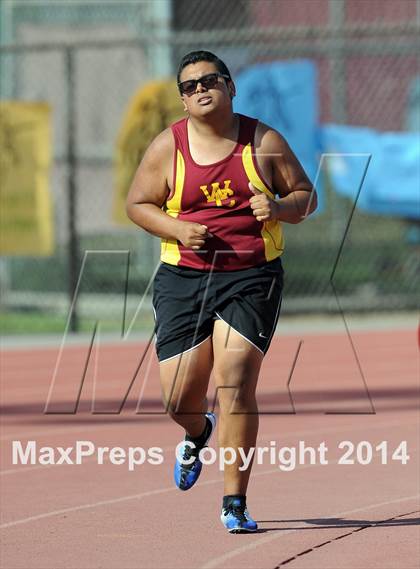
182 404
238 399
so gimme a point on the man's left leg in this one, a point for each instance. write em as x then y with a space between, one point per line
237 363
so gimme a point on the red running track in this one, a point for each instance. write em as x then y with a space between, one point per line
314 515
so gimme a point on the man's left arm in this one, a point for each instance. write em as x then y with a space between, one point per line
297 194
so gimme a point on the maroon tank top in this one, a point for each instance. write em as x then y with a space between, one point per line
217 195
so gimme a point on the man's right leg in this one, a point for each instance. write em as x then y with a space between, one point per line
184 325
184 381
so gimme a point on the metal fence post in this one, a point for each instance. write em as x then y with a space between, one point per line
73 237
338 102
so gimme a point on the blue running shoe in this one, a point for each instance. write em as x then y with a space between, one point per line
235 517
186 475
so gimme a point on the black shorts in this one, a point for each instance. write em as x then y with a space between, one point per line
187 301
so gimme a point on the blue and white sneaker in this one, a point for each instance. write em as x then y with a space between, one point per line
236 519
186 475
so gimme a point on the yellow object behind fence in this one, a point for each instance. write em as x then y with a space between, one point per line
152 109
26 226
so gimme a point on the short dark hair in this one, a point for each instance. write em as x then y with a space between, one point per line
196 56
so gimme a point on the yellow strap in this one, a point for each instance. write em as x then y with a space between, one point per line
271 231
170 252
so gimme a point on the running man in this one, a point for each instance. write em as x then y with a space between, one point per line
215 187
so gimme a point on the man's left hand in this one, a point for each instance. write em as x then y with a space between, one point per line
263 207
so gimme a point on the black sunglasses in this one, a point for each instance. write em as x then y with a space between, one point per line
208 81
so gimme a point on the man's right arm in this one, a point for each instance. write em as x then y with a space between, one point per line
149 191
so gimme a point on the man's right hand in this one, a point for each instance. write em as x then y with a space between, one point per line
192 235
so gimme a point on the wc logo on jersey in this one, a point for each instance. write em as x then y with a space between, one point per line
218 194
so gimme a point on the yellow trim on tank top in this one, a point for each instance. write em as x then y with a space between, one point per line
169 250
271 231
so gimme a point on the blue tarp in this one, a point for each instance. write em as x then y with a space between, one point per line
392 182
284 95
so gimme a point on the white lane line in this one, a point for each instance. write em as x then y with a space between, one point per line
264 437
87 506
145 495
216 562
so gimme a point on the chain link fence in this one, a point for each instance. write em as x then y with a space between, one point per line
87 60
